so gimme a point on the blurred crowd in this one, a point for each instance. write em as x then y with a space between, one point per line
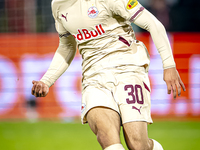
35 15
26 16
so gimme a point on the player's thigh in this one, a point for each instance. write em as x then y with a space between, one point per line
105 123
136 135
96 97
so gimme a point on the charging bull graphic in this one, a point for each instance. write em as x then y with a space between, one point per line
93 12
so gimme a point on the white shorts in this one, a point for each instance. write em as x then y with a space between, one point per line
125 89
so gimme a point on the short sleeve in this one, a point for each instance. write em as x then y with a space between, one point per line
128 9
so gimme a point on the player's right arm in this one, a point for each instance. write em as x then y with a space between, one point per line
61 60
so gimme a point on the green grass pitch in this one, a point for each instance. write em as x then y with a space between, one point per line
75 136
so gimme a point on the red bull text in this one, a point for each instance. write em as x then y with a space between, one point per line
84 34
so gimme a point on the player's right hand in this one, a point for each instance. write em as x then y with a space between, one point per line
39 89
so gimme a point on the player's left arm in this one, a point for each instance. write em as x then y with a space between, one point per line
150 23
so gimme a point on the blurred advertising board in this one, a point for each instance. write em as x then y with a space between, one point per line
26 57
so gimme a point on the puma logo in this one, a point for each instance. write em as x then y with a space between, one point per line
65 16
133 107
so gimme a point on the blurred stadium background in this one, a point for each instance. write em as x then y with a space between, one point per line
27 43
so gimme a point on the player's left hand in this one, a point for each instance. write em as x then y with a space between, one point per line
173 81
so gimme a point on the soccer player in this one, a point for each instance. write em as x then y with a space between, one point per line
115 83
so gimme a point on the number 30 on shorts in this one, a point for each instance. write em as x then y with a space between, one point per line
134 92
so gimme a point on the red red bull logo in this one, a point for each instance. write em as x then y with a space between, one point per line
93 12
84 34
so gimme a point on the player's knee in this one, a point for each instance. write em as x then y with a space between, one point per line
139 145
106 138
101 137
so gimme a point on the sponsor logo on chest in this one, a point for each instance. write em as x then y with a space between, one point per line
85 34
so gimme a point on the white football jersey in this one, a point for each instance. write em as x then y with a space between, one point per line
102 29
